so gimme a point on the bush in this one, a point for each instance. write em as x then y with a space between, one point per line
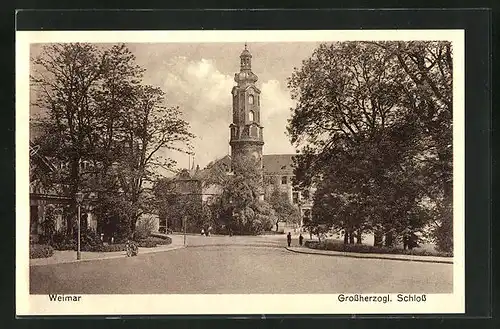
363 248
111 247
60 241
89 241
41 251
152 241
146 244
65 245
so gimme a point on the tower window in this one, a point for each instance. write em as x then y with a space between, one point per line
250 99
254 131
250 116
284 180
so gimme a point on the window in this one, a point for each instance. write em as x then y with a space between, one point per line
253 131
250 116
250 99
284 180
295 197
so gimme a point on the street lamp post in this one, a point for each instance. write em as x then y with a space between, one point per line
79 199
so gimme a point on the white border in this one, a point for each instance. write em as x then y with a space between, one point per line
231 304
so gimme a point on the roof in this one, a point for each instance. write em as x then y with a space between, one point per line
278 163
224 161
274 164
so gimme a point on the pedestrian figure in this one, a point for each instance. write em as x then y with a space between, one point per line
202 231
301 239
289 238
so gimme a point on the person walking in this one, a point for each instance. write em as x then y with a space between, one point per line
202 231
301 239
289 238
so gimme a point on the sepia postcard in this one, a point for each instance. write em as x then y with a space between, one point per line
240 172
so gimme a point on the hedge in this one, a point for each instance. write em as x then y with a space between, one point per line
363 248
111 247
97 246
41 251
160 241
146 244
149 242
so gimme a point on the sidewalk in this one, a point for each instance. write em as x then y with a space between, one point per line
407 258
69 256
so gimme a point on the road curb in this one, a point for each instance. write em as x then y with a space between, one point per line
368 256
108 257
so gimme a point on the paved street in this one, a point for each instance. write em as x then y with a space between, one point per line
239 265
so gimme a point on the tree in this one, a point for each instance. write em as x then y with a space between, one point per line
284 210
149 128
175 205
96 110
239 206
362 121
64 77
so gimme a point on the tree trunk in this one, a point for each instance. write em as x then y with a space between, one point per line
389 239
277 227
346 237
359 237
377 239
351 237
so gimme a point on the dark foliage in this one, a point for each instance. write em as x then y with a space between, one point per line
41 251
111 247
362 248
373 124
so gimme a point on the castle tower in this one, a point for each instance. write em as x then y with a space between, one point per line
245 130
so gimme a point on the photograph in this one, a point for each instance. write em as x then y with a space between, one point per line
305 171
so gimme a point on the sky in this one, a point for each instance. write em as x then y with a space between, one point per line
198 77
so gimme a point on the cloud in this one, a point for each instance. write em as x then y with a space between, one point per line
203 93
275 111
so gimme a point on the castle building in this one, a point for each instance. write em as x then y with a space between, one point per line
246 136
247 139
